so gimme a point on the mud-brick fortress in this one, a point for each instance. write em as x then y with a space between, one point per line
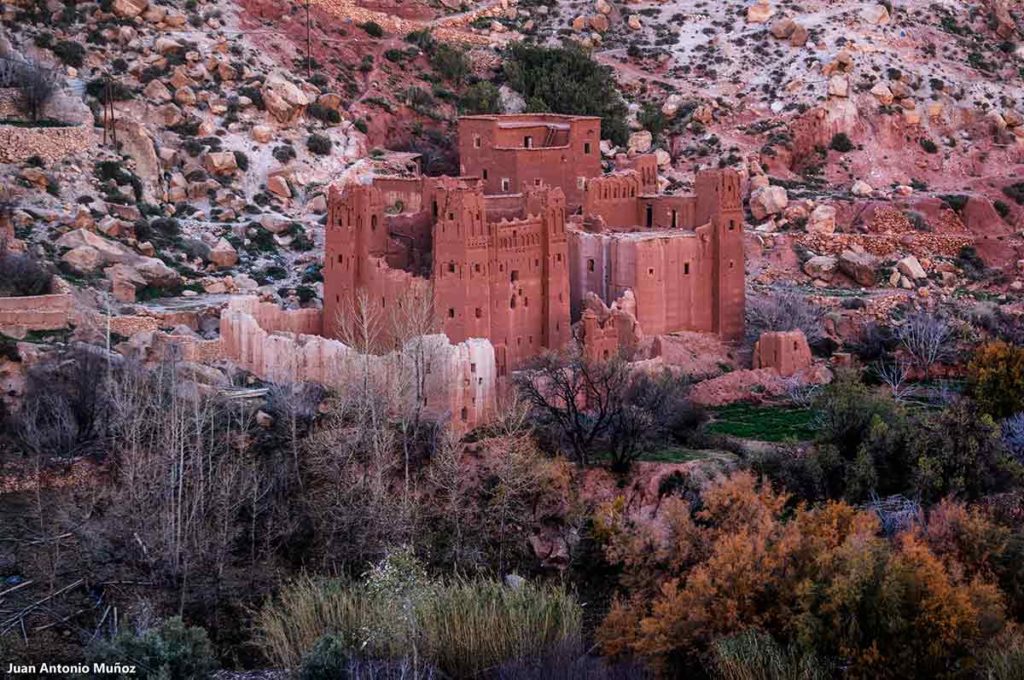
533 234
491 268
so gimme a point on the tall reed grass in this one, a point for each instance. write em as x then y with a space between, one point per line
464 627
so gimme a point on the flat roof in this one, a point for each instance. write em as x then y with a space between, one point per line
528 116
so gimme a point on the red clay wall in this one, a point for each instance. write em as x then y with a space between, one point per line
566 152
786 352
683 280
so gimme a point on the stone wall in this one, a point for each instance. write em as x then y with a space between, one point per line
34 313
460 380
18 144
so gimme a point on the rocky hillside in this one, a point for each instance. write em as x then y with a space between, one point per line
878 139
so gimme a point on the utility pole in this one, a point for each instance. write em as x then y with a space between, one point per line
309 56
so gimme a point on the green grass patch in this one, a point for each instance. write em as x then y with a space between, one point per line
763 423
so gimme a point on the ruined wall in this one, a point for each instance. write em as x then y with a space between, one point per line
613 331
786 352
460 378
401 194
35 313
17 144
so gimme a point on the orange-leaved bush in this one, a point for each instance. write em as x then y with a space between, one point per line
823 581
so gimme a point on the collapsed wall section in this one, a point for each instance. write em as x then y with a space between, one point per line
456 381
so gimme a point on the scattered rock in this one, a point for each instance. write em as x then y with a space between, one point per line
861 188
821 267
129 9
223 254
640 142
861 267
760 12
911 268
822 220
769 200
877 15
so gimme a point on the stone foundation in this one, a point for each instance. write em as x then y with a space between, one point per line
34 313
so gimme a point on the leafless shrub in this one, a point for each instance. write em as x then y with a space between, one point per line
66 409
21 274
928 338
895 375
783 310
36 87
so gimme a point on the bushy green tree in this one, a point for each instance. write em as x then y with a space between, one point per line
568 81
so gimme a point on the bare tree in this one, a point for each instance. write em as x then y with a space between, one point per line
604 404
928 338
895 375
784 309
577 395
36 87
412 323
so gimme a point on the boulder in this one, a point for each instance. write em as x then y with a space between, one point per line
640 142
882 93
783 28
769 200
861 267
262 133
839 86
125 281
877 15
821 267
799 36
185 96
600 23
671 105
155 272
156 92
284 100
634 23
911 268
129 9
109 252
603 7
220 163
760 12
861 188
822 220
83 259
278 185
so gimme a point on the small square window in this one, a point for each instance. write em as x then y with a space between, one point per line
451 267
686 268
590 265
586 147
485 173
479 313
476 141
451 312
